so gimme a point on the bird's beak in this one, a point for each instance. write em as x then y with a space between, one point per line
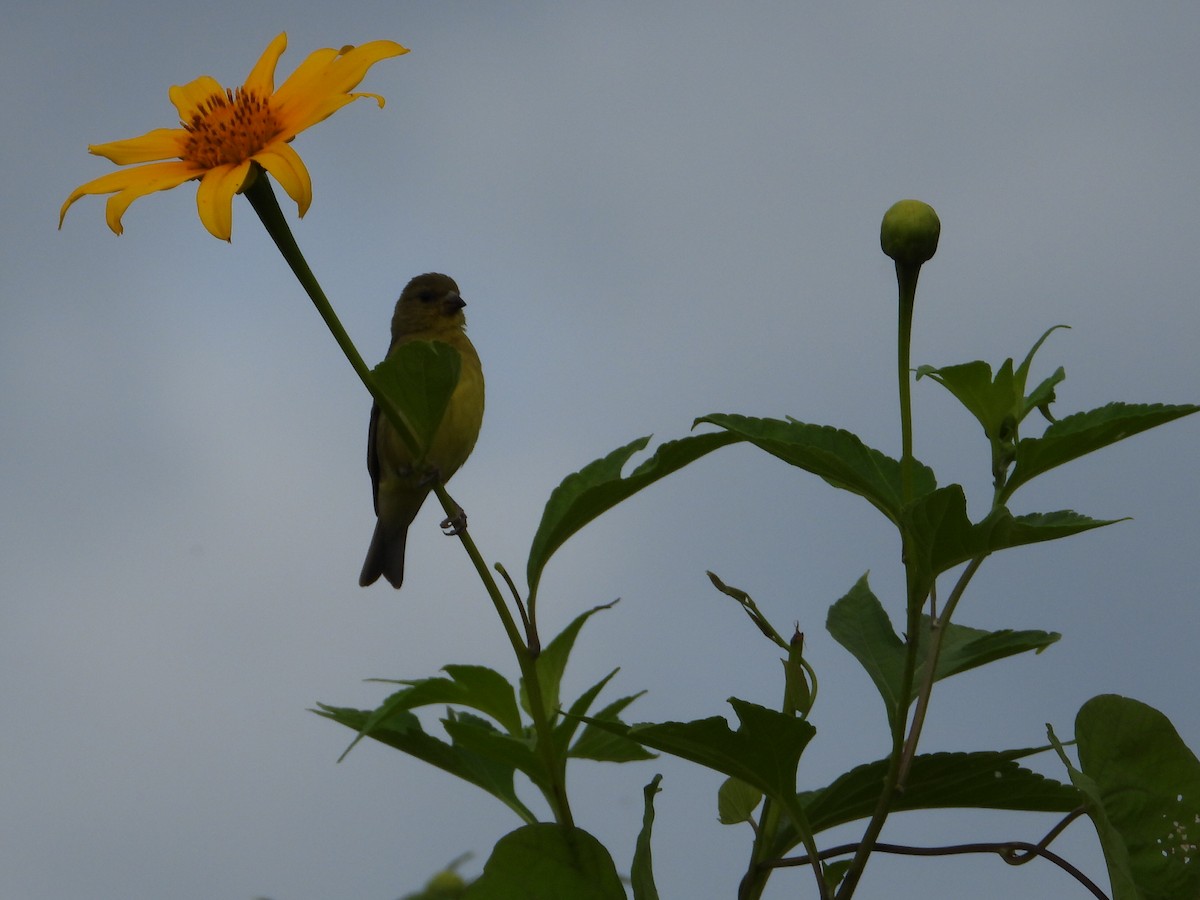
454 303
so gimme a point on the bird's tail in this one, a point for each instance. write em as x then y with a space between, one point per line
385 556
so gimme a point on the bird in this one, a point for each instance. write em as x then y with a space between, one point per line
430 308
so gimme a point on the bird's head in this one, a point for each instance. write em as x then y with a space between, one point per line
428 303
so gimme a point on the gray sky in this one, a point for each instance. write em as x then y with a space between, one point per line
655 211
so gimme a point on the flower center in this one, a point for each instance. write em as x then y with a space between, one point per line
229 128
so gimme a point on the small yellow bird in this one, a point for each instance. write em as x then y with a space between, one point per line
430 308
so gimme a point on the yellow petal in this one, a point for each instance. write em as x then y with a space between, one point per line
313 109
318 88
214 198
261 79
307 77
351 66
289 170
166 176
188 97
131 183
378 98
161 143
318 109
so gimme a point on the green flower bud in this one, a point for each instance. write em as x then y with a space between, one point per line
909 233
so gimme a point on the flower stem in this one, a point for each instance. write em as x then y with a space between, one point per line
261 196
906 280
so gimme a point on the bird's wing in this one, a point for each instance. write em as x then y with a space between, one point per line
373 455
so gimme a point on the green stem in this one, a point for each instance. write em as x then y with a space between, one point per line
510 626
906 281
556 796
936 638
754 882
763 853
903 755
262 199
890 786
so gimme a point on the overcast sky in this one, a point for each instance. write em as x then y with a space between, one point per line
655 211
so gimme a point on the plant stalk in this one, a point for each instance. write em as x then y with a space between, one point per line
262 198
906 281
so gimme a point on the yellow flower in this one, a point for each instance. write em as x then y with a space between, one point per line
227 130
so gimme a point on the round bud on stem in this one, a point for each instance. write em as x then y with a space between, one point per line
909 233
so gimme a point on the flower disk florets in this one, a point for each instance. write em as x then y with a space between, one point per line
228 128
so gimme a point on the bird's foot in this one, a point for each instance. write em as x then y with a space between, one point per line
456 524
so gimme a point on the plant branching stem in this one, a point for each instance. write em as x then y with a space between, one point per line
937 637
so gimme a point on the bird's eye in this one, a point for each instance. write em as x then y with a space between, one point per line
427 296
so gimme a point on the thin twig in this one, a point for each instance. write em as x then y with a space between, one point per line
1015 853
531 638
1019 860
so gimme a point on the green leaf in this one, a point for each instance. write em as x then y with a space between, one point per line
641 873
445 885
1003 530
402 731
1043 394
966 648
833 872
479 736
1142 787
1082 433
548 862
998 403
564 731
859 623
978 780
989 400
799 679
942 537
604 746
837 456
552 661
764 752
475 687
746 602
737 801
598 486
419 377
